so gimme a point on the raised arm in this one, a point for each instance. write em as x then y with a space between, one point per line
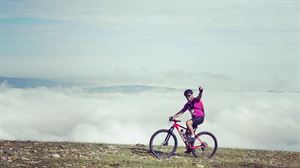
200 93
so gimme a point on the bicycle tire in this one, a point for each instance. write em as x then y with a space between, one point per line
213 145
152 145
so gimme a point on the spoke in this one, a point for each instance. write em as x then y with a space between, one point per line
163 144
204 145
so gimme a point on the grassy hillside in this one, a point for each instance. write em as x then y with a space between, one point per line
85 155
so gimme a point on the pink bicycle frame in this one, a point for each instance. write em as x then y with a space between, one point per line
178 126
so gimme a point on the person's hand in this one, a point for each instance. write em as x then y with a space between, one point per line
200 89
171 118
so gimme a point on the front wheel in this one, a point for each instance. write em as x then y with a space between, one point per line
205 145
163 143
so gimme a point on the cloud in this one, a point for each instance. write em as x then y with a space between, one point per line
125 12
257 119
239 119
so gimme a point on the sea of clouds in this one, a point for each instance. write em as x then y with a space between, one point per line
243 119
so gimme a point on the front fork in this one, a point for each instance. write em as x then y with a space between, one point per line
165 143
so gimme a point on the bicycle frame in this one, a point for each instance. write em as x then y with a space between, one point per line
178 126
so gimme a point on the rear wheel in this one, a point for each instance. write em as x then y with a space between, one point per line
163 143
207 148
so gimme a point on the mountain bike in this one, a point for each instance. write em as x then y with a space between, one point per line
163 143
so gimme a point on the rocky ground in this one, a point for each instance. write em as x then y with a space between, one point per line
86 155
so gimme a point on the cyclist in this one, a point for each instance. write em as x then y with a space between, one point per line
195 106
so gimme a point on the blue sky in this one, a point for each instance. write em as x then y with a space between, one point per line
242 39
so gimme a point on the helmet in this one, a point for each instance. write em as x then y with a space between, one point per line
187 92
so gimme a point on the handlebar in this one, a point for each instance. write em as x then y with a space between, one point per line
173 119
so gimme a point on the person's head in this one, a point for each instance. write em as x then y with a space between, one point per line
188 94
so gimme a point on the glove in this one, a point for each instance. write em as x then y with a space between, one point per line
200 89
171 118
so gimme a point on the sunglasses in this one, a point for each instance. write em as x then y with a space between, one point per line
189 95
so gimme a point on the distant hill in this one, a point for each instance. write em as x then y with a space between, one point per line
85 155
127 89
37 82
28 82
